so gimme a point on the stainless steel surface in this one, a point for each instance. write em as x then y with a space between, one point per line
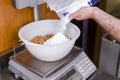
4 75
100 75
20 4
109 54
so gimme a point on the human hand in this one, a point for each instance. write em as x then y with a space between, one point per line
83 13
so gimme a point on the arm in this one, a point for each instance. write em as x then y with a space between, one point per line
107 22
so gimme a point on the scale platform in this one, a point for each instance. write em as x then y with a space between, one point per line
24 65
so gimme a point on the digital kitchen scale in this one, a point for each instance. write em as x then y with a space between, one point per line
75 66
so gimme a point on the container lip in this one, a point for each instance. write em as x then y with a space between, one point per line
34 44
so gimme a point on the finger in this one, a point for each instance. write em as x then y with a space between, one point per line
76 14
73 15
79 18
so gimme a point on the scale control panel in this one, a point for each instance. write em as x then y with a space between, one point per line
82 67
85 66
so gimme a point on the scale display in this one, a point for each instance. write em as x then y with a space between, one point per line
70 75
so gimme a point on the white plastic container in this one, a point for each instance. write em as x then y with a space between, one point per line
65 7
48 52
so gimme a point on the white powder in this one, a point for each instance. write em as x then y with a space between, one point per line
57 39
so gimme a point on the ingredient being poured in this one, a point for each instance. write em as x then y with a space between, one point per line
49 39
57 39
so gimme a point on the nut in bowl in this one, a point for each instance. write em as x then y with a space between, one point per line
51 50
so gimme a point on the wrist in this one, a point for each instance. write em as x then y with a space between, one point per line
94 12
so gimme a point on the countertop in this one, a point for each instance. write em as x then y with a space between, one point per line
6 75
98 75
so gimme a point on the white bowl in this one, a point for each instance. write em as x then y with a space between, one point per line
43 27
